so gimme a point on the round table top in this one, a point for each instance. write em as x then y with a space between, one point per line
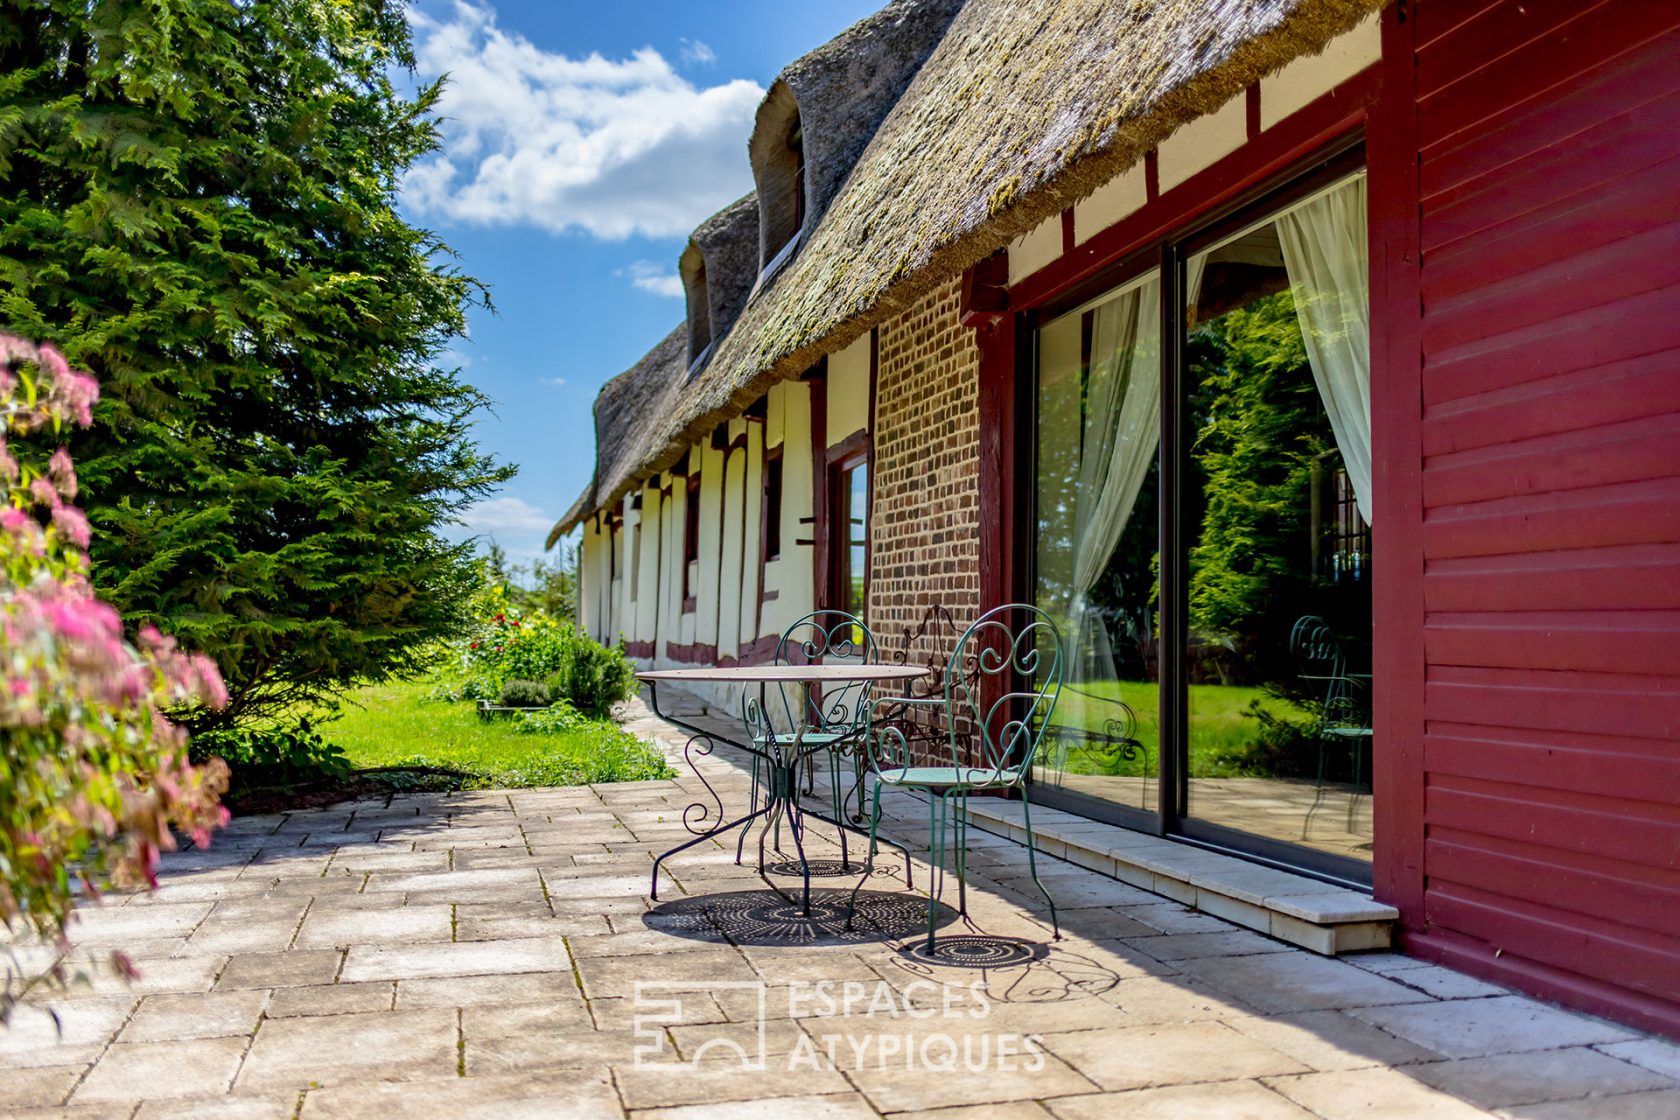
809 674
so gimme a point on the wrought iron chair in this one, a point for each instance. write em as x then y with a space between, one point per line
1000 687
835 716
1344 720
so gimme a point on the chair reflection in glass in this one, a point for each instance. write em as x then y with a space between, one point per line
1344 718
999 692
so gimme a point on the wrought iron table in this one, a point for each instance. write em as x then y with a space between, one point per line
781 754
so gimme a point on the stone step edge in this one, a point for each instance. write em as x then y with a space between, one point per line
1293 908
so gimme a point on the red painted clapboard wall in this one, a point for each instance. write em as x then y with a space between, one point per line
1531 287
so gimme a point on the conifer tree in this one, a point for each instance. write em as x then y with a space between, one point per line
198 204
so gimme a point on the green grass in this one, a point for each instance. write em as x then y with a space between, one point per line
392 726
1221 731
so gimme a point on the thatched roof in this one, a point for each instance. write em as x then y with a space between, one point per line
1020 111
628 409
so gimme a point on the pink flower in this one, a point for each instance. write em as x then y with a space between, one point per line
73 524
62 471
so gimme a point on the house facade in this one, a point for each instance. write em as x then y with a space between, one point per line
1314 364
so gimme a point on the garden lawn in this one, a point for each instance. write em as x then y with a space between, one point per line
393 726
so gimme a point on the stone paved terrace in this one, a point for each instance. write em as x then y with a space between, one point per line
479 955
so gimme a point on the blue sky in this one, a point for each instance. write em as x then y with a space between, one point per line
582 143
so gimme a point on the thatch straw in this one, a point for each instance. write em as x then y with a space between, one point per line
1020 111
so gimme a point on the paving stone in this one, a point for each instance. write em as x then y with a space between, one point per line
1651 1053
1190 946
331 999
459 886
1225 1100
716 1084
900 1089
221 1108
1503 1025
1533 1078
482 991
1170 917
1664 1105
1141 1057
558 1046
1331 1040
1147 1000
606 976
32 1038
96 926
398 962
38 1086
335 1049
162 1018
244 936
181 1068
280 970
555 1095
844 1106
1278 983
1014 1110
1444 983
497 921
1371 1094
99 1110
406 924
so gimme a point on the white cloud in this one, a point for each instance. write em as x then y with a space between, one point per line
697 53
613 147
555 381
650 277
504 516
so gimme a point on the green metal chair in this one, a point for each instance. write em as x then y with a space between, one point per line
1000 689
834 718
1344 718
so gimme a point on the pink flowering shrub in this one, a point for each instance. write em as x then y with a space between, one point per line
93 778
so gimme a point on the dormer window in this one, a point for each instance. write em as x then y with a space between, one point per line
796 148
778 153
693 270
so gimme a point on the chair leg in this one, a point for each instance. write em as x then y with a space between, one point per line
741 840
936 860
1032 862
869 858
1318 794
960 826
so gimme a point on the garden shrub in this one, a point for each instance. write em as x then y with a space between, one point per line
557 717
525 694
508 643
93 778
594 677
272 756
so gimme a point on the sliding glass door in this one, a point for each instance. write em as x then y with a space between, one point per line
1222 695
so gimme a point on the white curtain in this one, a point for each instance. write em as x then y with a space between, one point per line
1325 252
1121 433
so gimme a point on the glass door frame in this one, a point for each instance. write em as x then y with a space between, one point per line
1170 817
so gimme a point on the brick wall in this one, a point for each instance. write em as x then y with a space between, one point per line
925 528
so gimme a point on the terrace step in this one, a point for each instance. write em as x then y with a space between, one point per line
1293 908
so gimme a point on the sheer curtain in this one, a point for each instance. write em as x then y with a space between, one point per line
1326 255
1121 431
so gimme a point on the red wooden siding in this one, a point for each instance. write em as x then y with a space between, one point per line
1548 203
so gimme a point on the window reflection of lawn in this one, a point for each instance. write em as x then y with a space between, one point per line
1221 729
